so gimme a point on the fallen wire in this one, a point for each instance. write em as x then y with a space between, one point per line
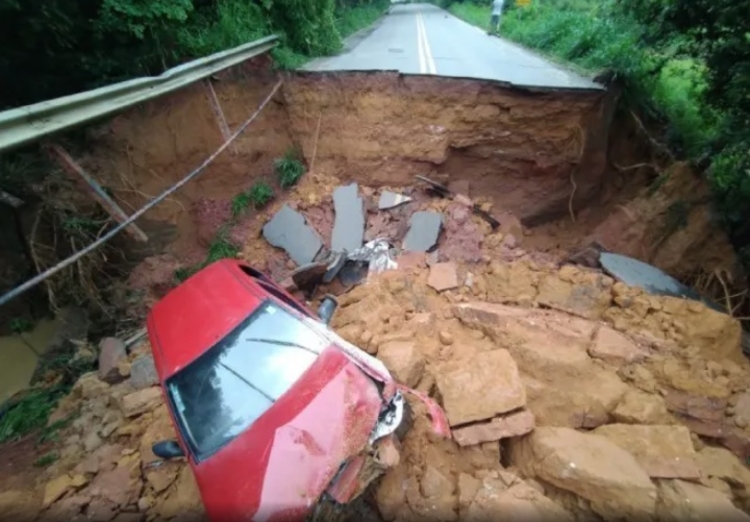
161 197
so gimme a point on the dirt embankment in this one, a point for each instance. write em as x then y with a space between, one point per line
517 147
533 155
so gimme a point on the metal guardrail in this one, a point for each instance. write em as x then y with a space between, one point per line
27 124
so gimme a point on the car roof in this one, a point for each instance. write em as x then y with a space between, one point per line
199 312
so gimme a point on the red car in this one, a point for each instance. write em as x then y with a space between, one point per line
273 410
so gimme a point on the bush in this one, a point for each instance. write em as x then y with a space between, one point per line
260 194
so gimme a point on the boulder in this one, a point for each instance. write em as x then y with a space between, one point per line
615 348
662 451
486 385
637 407
111 352
681 501
143 372
510 425
590 466
403 360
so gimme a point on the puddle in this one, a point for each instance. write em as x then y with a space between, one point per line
17 358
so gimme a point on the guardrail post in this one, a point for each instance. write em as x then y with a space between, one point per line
77 174
213 100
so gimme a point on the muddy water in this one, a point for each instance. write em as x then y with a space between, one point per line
19 355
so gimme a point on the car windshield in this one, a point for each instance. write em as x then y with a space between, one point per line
220 394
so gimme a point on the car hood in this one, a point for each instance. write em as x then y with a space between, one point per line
278 468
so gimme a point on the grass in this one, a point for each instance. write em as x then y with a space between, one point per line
220 248
289 169
257 197
592 35
46 459
30 413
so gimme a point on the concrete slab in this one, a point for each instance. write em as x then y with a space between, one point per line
287 229
424 228
390 199
349 225
633 272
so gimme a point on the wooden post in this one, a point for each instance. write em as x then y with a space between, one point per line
221 121
87 183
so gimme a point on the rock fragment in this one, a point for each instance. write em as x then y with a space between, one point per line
443 276
615 348
479 389
111 352
143 372
511 425
590 466
403 360
662 451
141 401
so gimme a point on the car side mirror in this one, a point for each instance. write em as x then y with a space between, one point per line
167 449
327 308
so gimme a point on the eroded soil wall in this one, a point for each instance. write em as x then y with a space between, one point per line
528 151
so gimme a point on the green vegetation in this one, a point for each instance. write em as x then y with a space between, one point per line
220 248
30 413
46 459
289 169
684 66
257 196
260 194
57 47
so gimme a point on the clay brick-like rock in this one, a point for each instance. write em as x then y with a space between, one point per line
111 352
141 401
403 360
590 466
662 451
485 386
443 276
510 425
680 501
615 348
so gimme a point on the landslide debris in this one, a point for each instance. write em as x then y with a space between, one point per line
555 414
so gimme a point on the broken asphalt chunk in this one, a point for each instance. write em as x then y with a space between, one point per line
349 225
424 228
390 199
287 230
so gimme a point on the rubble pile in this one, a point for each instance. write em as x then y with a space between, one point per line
569 395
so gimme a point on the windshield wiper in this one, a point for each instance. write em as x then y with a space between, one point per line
282 343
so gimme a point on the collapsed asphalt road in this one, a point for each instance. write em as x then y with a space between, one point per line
424 39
